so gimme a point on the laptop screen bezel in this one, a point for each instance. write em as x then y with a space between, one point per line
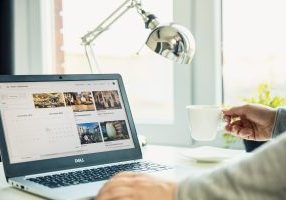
63 163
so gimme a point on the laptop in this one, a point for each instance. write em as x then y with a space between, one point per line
63 136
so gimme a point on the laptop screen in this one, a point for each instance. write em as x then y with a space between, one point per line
44 120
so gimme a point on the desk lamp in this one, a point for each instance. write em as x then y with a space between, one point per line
171 41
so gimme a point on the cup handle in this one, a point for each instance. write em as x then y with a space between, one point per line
222 123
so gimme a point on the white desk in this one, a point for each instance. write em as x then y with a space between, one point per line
167 154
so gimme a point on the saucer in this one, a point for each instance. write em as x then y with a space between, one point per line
211 154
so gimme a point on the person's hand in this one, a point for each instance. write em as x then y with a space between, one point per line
250 122
130 185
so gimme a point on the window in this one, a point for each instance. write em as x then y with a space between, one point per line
47 40
148 77
254 47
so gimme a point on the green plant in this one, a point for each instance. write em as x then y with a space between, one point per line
262 96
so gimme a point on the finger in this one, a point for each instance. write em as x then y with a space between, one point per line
125 181
237 123
242 132
235 110
244 125
231 117
236 129
117 193
228 128
127 174
227 118
118 182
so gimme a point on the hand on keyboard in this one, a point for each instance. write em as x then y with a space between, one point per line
130 185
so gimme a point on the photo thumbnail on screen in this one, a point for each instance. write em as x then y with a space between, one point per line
114 130
106 100
89 133
48 100
79 101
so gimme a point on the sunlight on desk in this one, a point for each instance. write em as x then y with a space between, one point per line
166 154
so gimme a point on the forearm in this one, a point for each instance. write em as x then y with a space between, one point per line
280 122
260 176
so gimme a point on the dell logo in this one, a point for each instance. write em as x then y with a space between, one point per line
79 160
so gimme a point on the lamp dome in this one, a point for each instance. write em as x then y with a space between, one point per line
172 41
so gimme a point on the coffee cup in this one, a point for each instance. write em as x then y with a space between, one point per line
205 121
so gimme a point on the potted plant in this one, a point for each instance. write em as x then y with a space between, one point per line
263 96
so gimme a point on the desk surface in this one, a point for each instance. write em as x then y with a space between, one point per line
168 154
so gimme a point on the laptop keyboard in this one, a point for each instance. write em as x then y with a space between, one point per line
96 174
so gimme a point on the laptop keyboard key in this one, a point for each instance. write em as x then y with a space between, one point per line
96 174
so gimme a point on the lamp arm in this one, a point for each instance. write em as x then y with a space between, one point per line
87 39
106 23
92 62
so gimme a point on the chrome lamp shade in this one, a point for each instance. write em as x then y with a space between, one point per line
172 41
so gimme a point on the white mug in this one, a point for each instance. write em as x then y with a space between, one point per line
205 121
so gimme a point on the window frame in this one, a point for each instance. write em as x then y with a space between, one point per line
207 71
30 51
198 83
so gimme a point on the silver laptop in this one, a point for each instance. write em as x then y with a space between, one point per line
63 136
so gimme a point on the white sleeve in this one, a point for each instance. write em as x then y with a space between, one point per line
262 175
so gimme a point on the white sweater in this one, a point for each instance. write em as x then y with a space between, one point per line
262 175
